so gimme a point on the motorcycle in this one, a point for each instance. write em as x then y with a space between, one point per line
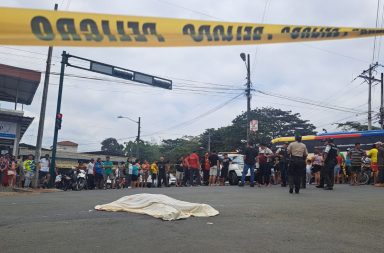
63 181
80 180
366 171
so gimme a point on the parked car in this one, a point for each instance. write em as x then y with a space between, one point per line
171 180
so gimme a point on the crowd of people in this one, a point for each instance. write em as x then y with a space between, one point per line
15 172
289 165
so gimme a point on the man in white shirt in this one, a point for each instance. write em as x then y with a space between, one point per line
44 175
91 175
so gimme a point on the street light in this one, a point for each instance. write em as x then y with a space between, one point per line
248 90
138 132
242 55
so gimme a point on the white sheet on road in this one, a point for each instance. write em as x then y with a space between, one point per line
159 206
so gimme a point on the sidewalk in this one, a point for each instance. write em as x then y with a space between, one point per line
22 191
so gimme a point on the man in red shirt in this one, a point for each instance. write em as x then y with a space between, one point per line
194 169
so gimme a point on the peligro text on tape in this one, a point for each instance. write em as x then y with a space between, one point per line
42 27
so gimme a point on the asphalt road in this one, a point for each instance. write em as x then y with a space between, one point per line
348 219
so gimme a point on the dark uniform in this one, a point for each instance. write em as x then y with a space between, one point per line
330 162
283 164
298 152
162 177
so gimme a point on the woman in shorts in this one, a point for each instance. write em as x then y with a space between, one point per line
317 165
12 172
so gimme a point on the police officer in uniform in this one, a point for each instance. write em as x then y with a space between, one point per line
283 162
330 161
298 153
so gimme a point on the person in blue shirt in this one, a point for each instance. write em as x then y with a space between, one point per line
348 165
135 174
99 174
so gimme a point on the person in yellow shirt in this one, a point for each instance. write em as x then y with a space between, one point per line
372 153
154 172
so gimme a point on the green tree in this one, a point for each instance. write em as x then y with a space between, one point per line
111 146
174 149
148 151
354 126
273 123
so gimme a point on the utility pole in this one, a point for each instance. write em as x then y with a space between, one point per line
209 141
248 89
371 80
382 102
40 131
138 138
370 98
248 95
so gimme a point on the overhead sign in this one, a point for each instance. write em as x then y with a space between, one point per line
127 74
62 28
254 125
7 130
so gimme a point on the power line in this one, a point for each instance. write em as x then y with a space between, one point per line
300 100
28 51
374 40
333 52
211 90
339 120
68 4
266 6
195 119
380 38
188 9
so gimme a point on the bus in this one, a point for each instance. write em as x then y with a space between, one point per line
343 140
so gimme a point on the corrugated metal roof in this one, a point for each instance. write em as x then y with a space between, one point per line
17 84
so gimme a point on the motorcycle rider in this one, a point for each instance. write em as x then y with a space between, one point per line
108 166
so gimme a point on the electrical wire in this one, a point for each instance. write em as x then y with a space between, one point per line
68 4
266 6
195 119
188 9
380 38
298 100
333 52
188 122
374 40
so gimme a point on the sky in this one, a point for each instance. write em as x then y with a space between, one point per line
205 78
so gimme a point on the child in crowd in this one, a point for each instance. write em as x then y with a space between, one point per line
308 170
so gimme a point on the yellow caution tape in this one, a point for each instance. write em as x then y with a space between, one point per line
61 28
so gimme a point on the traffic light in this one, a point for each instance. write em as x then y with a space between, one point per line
59 119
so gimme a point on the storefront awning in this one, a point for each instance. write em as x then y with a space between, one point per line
18 85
